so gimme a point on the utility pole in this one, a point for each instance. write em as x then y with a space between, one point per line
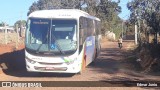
136 33
139 30
17 31
136 29
21 26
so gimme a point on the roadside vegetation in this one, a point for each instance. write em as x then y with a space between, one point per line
146 14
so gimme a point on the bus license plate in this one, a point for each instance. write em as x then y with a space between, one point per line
49 68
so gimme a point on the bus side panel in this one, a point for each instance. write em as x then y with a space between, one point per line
90 49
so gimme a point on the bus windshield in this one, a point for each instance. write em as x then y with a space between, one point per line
51 35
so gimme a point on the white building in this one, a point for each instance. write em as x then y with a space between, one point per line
9 29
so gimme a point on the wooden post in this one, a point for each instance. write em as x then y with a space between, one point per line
17 31
5 34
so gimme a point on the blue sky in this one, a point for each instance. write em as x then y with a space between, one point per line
125 12
13 10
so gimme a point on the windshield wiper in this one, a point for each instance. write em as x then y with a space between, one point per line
58 46
54 38
37 51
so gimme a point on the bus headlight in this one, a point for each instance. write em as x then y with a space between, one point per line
71 62
30 61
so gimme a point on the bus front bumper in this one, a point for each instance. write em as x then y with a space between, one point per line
61 68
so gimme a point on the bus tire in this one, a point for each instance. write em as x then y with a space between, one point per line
95 56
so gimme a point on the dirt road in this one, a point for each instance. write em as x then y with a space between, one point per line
109 66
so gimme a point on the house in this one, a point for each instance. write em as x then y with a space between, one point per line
9 29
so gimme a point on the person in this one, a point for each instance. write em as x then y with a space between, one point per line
120 42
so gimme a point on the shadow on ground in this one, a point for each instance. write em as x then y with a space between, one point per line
113 61
15 63
132 82
116 61
109 61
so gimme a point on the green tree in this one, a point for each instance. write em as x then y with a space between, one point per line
146 12
2 24
56 4
20 23
108 12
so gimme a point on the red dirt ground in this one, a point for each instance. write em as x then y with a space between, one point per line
10 48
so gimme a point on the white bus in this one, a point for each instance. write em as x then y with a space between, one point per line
61 41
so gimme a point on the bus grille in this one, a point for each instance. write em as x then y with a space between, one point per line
43 63
51 69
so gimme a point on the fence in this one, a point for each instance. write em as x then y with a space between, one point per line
12 37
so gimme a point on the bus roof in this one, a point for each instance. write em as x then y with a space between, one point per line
62 13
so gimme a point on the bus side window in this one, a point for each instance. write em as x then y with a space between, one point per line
82 28
85 28
97 27
90 27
